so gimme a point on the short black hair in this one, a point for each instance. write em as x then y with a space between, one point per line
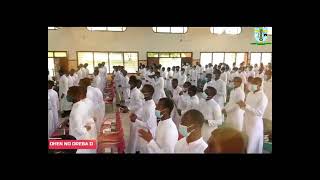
212 89
193 89
50 83
149 87
168 103
195 116
188 83
174 80
132 78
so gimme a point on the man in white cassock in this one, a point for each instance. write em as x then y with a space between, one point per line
158 85
125 86
267 89
254 106
166 135
234 112
221 88
147 119
135 107
54 102
194 76
65 106
82 125
193 103
182 78
211 112
175 92
190 128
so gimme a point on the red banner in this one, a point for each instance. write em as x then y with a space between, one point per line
72 144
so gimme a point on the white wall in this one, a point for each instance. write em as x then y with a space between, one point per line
143 39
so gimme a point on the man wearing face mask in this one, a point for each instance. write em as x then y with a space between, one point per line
255 105
190 128
176 90
147 119
193 103
135 107
159 88
211 112
166 135
232 110
82 125
268 91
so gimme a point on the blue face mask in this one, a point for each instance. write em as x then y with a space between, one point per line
69 98
183 130
158 114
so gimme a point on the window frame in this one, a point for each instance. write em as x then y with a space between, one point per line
224 56
125 29
108 52
53 52
224 32
260 56
170 31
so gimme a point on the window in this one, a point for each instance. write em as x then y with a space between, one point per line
99 57
164 54
131 62
116 59
114 29
205 58
266 58
255 58
186 54
153 54
128 60
51 60
217 58
86 57
230 58
225 30
240 58
169 62
53 28
170 29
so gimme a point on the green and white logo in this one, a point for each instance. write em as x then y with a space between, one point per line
261 35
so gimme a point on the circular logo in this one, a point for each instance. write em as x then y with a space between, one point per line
261 34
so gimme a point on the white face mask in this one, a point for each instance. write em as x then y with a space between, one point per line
204 95
254 87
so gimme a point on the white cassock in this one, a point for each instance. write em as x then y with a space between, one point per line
256 104
83 72
50 118
164 75
82 115
169 79
147 120
183 102
224 77
165 139
63 89
176 75
243 77
199 72
194 77
182 78
197 146
101 74
87 72
125 89
267 89
234 112
97 82
256 70
95 95
55 106
251 73
212 114
158 89
70 81
135 106
117 79
80 74
175 97
76 79
221 88
193 103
